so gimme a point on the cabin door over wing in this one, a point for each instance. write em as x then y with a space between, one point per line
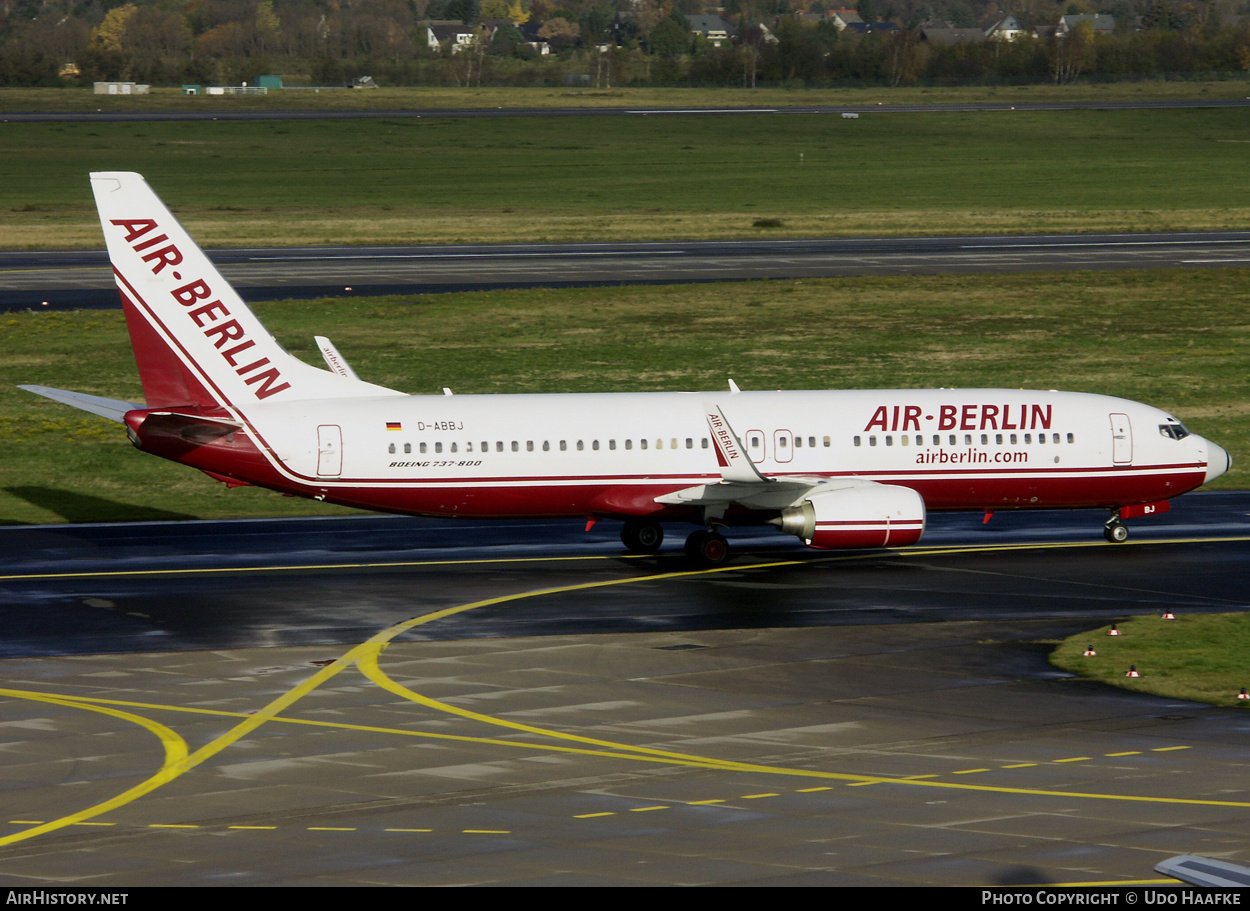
1121 440
783 445
329 451
756 448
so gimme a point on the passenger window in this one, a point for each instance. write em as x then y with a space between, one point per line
438 447
629 444
985 438
595 445
1028 438
705 443
546 446
453 447
690 442
611 444
407 448
953 438
642 443
422 448
516 447
967 439
889 440
937 440
391 449
529 445
827 442
998 439
857 441
580 445
498 445
1013 439
872 440
798 442
1071 438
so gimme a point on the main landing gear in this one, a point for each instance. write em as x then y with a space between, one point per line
704 546
707 548
642 536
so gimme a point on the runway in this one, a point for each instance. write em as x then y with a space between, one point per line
401 701
76 280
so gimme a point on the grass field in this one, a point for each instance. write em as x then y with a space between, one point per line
658 177
1176 339
447 98
1203 657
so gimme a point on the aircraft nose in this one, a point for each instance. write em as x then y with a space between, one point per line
1218 461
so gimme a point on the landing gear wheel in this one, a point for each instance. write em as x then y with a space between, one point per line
1115 532
642 536
707 548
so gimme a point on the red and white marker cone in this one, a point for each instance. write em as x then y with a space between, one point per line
1243 694
1168 615
1113 631
1089 651
1132 671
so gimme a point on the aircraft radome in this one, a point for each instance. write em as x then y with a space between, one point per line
856 469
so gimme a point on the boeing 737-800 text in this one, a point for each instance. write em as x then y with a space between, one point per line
835 468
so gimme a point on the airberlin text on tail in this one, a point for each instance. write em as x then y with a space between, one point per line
202 306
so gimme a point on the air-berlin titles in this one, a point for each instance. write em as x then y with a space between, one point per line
962 417
211 316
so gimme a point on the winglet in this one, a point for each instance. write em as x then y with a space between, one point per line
335 361
731 455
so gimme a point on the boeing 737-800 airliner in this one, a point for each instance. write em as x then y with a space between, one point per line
837 468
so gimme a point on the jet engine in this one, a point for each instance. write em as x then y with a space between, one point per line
865 515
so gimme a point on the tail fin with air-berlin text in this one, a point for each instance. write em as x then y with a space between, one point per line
196 342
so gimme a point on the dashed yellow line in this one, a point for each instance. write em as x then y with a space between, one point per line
365 657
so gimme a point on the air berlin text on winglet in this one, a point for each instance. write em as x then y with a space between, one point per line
963 417
211 316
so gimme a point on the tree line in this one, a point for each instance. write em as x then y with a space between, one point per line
614 42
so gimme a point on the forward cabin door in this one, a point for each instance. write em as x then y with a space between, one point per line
1121 440
329 451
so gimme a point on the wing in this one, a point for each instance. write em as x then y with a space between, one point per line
1203 871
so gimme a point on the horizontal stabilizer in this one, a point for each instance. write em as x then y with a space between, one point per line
113 409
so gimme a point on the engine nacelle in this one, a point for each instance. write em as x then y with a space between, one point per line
867 515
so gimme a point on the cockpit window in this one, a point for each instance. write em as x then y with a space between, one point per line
1174 430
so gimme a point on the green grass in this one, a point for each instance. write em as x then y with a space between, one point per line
1201 657
671 176
1177 339
426 97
